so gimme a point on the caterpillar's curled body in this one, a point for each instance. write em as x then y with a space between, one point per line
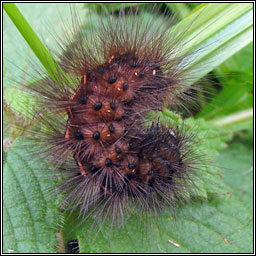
93 122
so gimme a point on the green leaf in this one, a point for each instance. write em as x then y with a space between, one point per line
237 164
214 32
45 19
180 9
236 78
19 101
241 61
234 96
202 227
30 214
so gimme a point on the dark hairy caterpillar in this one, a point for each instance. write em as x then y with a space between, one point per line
97 180
81 117
93 122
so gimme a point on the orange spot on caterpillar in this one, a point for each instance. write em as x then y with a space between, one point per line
70 112
84 79
106 190
118 86
110 60
67 135
83 172
73 95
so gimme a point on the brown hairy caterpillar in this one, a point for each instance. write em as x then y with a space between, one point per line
92 118
92 127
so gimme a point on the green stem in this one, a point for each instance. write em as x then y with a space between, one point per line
239 117
31 38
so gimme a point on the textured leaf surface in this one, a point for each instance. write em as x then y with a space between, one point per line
29 212
237 164
208 227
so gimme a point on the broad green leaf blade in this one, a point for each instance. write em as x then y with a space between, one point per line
215 32
30 215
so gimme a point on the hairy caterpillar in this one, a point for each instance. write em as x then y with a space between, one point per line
105 105
113 157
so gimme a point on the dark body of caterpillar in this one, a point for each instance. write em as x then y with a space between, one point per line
98 134
105 131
